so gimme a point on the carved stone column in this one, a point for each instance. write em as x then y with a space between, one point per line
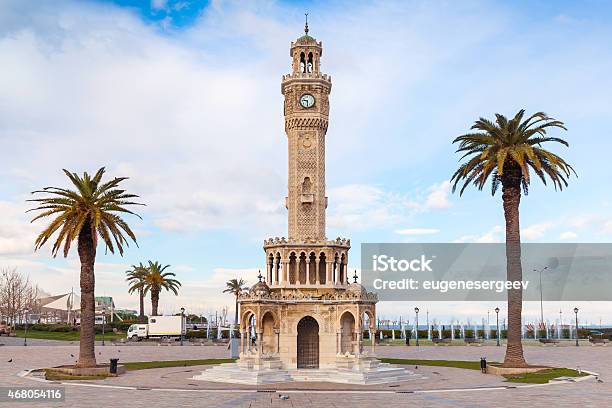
248 339
242 345
277 332
328 271
285 271
259 343
357 342
373 341
275 267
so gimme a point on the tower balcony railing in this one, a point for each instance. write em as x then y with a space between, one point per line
307 75
280 241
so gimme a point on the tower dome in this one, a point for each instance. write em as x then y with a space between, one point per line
356 288
260 288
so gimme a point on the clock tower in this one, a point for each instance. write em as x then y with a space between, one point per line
303 312
306 109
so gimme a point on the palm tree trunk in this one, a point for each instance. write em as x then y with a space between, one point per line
236 315
154 301
141 295
511 197
87 255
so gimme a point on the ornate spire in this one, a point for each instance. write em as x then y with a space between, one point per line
306 25
259 277
355 276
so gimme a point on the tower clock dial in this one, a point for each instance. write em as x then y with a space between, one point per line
307 101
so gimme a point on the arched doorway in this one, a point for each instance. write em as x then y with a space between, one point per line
308 343
347 324
268 338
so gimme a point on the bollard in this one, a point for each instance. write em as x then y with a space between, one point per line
483 365
113 365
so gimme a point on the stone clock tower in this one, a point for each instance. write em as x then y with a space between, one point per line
306 111
304 314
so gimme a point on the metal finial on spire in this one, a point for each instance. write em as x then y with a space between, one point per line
306 25
259 277
355 276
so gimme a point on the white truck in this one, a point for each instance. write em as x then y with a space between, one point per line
158 327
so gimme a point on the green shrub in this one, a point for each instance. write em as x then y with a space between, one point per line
57 328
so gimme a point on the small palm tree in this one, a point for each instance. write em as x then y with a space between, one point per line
156 280
504 152
86 214
136 277
235 287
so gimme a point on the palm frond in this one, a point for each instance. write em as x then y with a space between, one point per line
510 144
91 204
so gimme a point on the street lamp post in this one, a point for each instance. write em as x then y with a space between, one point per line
25 338
182 319
416 327
103 324
576 312
541 296
498 333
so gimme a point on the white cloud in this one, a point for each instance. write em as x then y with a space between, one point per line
494 235
17 235
585 220
417 231
568 235
159 4
362 206
438 195
168 120
535 231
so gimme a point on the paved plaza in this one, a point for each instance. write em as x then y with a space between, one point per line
173 387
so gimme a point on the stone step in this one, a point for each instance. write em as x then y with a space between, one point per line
233 373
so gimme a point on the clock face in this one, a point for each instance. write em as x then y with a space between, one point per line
307 100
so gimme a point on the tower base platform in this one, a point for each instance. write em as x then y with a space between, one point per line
348 369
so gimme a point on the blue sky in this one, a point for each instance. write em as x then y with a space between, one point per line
183 97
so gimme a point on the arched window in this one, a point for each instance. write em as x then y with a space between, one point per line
292 268
312 265
302 62
302 269
310 64
322 269
306 185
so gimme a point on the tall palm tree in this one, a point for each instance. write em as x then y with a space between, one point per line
135 277
504 152
156 280
86 214
235 286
